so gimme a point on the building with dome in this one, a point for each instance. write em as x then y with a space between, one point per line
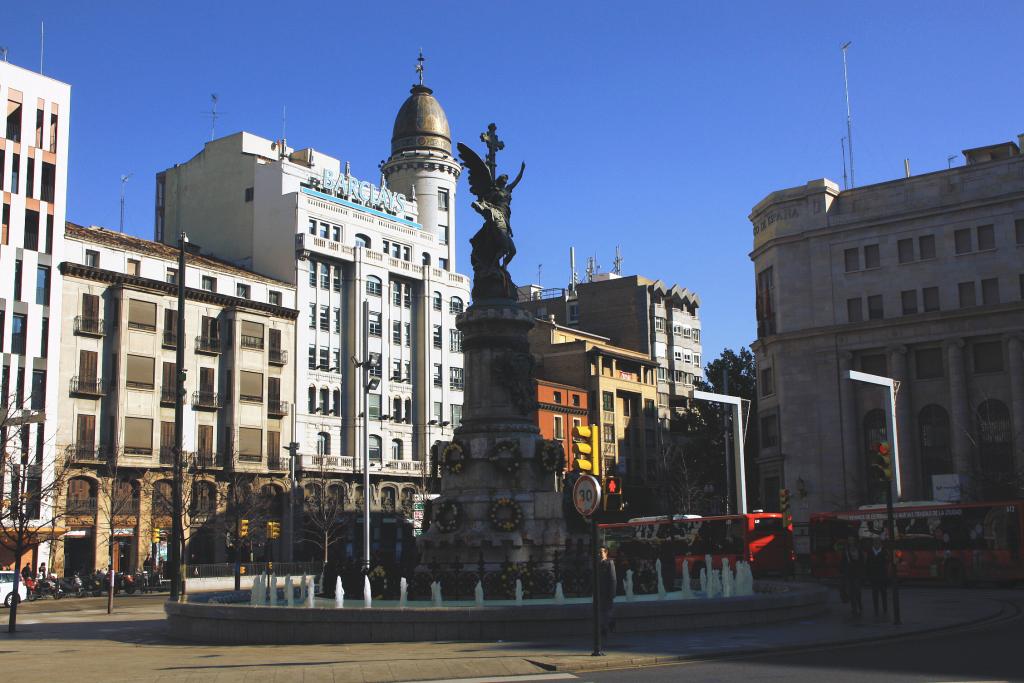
373 262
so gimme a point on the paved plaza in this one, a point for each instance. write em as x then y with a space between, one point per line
78 638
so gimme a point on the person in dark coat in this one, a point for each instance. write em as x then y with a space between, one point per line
607 584
877 571
851 566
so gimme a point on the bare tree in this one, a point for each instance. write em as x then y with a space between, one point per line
684 481
30 484
323 506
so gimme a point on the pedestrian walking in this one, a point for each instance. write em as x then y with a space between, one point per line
851 567
877 571
607 584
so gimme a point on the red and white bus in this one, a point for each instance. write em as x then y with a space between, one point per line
761 538
956 543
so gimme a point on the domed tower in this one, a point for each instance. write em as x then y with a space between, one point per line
422 164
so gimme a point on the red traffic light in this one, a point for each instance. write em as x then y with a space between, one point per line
613 485
883 448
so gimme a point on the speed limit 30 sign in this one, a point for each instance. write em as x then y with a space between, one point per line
586 495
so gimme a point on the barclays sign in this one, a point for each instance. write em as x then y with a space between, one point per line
349 187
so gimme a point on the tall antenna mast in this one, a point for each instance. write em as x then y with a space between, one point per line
213 115
617 261
573 279
842 146
284 122
540 269
42 44
124 181
849 118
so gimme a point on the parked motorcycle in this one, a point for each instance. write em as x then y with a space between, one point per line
71 586
47 587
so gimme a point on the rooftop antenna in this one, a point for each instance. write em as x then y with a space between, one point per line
284 123
949 160
124 181
617 261
42 44
592 268
842 145
3 53
849 119
540 269
574 279
213 115
419 66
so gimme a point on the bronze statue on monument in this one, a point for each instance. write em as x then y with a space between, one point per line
493 247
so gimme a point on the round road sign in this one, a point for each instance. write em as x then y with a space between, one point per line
586 495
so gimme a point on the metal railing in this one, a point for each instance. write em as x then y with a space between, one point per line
278 408
132 384
136 325
206 400
277 357
89 326
227 569
207 459
206 344
250 342
277 462
80 506
84 452
87 386
168 394
166 455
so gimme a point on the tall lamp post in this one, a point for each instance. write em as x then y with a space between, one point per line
177 530
369 384
892 386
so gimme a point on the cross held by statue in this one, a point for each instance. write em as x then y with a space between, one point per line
490 138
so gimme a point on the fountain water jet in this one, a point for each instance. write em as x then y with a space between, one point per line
687 582
661 579
273 590
289 591
367 593
728 583
339 594
310 593
559 594
519 591
628 584
403 592
478 594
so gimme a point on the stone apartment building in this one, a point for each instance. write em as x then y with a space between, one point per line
118 393
919 279
622 394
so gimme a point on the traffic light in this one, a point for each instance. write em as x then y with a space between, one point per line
243 528
273 530
586 449
882 466
156 535
613 494
784 506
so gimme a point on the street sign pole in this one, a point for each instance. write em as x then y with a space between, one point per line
586 496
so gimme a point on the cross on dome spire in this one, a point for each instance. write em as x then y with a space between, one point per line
419 66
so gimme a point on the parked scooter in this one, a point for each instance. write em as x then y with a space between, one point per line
47 587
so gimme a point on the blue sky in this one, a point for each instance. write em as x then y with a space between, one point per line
655 126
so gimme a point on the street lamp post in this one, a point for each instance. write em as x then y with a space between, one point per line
177 531
892 386
368 384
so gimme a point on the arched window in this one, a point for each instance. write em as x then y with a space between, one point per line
933 441
310 493
312 399
388 498
408 498
437 300
323 443
337 401
455 305
396 409
375 447
124 499
874 433
396 449
408 410
363 241
995 443
204 499
325 395
163 498
426 259
82 496
374 286
336 494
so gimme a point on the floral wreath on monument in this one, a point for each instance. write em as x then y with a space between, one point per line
453 457
551 455
505 514
447 517
506 455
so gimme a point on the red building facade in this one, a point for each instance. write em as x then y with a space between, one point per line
560 407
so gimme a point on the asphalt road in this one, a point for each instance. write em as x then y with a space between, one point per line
992 651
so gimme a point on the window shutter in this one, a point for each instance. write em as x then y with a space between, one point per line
251 384
275 340
249 441
140 371
87 365
206 380
138 434
274 389
90 306
86 436
142 313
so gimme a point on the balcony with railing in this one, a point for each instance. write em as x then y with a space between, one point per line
170 339
277 357
168 395
328 463
207 344
206 400
87 386
124 506
166 455
250 342
277 462
205 460
80 506
277 408
88 326
85 453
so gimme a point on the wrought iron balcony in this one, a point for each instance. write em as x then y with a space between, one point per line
207 344
80 506
250 342
207 459
206 400
84 452
168 395
92 327
87 386
277 357
277 408
277 462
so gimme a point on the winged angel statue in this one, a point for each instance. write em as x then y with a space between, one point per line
493 247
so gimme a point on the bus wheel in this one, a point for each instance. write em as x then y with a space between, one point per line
955 576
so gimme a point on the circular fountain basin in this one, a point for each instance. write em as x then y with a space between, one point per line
386 621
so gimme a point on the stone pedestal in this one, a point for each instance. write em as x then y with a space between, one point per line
496 454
